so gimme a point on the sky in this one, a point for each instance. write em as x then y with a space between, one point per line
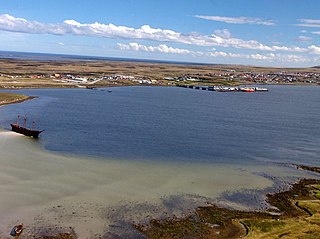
281 33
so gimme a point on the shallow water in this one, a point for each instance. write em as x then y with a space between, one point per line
43 189
35 183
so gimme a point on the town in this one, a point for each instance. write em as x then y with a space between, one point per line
82 74
281 77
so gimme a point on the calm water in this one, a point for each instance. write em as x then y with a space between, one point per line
168 123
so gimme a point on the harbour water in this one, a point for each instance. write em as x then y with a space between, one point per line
174 124
107 159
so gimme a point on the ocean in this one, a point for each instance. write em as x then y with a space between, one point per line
63 57
177 124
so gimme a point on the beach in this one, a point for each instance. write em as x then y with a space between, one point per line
42 189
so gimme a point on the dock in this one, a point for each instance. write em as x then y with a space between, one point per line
225 88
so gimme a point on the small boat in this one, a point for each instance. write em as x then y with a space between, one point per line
24 130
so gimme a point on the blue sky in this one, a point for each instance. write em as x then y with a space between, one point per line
282 33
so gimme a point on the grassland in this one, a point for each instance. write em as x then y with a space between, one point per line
10 98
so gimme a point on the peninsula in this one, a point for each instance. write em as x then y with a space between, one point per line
10 98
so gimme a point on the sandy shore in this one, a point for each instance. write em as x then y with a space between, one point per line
105 196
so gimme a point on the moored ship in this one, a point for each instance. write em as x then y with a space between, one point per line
24 130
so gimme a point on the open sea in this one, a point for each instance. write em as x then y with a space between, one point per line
177 124
63 57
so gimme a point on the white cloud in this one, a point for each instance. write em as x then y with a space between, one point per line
123 46
13 24
160 48
317 33
218 54
10 23
308 23
238 20
225 33
314 49
289 49
304 39
271 57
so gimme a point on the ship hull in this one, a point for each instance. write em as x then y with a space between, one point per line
26 131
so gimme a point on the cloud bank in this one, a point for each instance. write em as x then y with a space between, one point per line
270 57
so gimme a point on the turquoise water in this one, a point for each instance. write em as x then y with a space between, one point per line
177 124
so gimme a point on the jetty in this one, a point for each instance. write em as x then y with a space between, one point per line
225 88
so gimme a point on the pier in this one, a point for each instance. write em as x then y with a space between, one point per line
225 88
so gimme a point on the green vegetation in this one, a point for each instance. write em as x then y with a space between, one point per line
9 98
317 191
264 225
